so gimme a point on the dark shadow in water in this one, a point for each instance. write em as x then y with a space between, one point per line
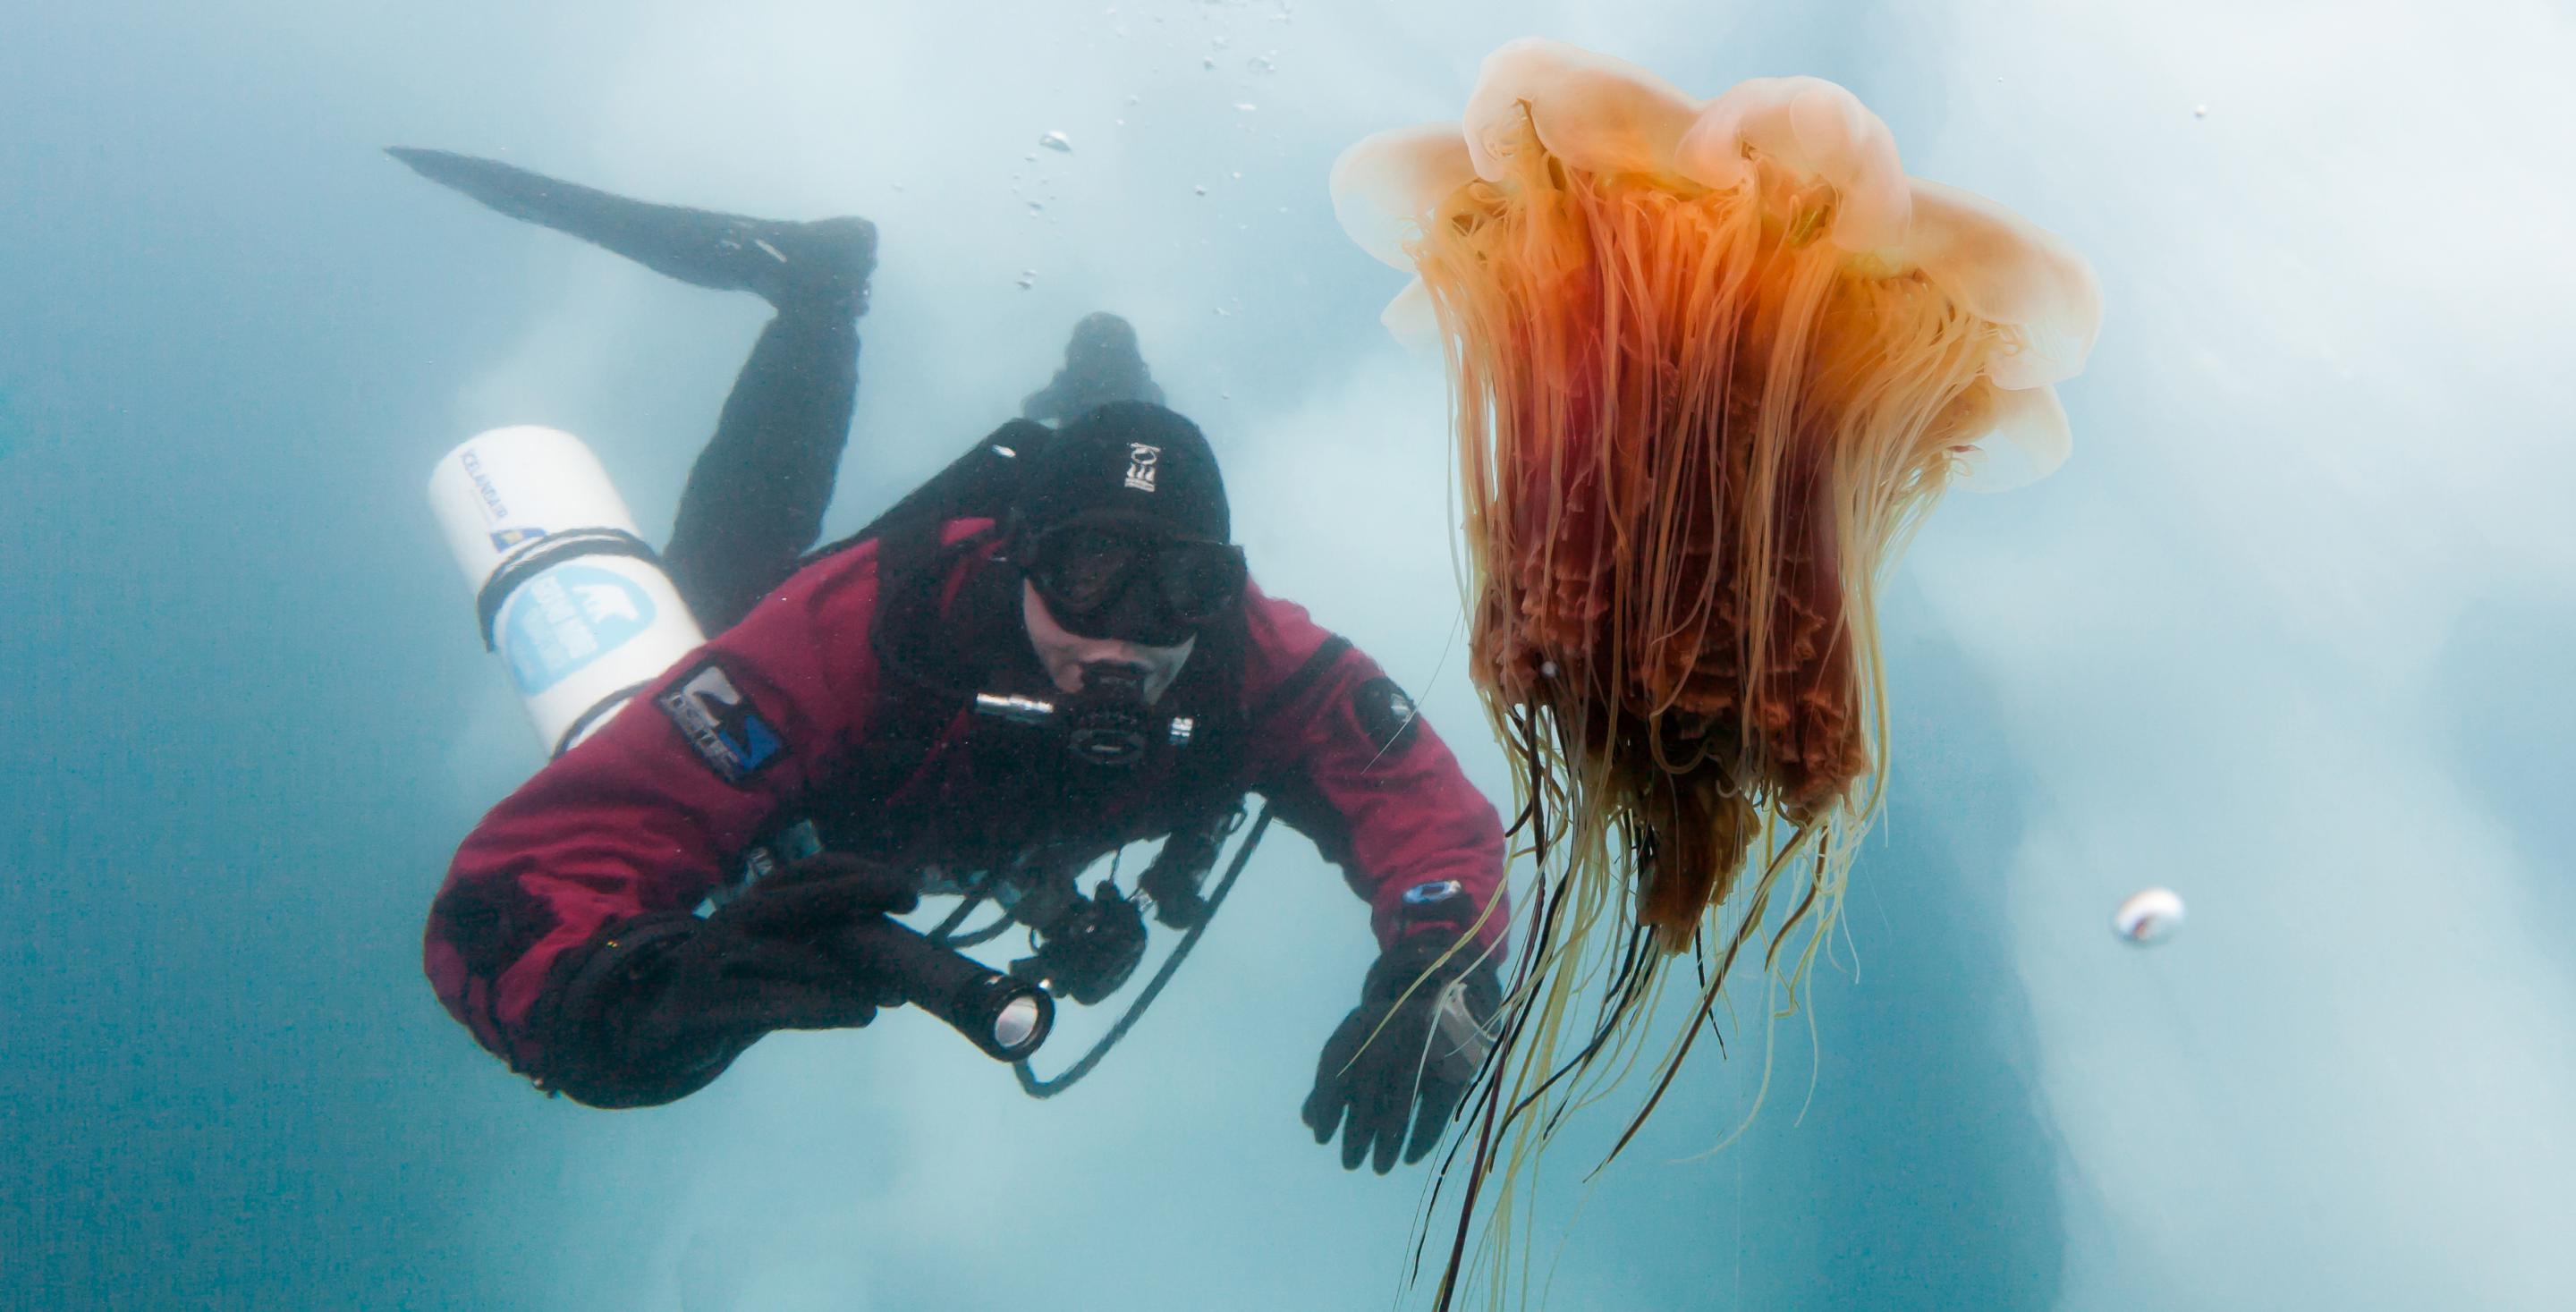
1921 1174
1924 1174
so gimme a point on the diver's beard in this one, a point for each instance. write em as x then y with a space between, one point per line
1063 654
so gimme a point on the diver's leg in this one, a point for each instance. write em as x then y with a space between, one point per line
755 500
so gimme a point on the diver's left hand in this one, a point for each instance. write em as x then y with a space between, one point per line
1392 1065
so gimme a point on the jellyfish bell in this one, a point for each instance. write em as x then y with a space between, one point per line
1384 187
2009 438
1817 140
1813 130
1412 320
1712 362
2007 271
1602 115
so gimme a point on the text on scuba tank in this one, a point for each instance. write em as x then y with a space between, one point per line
483 486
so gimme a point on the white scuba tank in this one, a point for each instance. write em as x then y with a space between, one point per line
569 595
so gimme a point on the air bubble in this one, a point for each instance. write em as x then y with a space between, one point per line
2148 916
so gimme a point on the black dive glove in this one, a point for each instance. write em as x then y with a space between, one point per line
662 1005
1397 1061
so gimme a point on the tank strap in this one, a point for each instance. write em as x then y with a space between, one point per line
599 710
977 485
913 707
912 570
544 554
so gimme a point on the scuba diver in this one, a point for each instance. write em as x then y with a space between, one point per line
1101 364
1050 650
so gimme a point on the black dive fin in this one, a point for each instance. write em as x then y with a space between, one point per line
825 262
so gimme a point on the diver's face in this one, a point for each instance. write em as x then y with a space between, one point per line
1063 654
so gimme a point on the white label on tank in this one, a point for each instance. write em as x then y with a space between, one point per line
567 617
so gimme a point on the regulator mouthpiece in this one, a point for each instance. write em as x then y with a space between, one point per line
1105 722
1109 723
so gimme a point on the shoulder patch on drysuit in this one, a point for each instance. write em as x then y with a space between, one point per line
1386 715
721 724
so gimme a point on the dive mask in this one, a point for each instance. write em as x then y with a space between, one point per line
1115 580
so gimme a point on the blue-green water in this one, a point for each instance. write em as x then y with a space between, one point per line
13 425
2288 635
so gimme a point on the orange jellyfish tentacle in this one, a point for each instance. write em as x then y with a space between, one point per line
1652 477
1693 428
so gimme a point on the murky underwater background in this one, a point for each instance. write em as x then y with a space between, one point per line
2288 634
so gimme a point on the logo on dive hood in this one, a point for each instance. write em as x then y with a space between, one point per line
1143 463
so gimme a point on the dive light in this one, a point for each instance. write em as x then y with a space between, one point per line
1008 1018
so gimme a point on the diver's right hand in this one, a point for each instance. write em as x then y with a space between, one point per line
660 1005
779 957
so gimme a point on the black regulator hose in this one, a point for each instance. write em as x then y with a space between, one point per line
1005 1017
1047 1087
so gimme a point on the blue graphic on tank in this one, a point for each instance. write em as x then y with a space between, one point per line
567 618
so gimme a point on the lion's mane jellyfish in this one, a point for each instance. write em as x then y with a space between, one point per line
1712 362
